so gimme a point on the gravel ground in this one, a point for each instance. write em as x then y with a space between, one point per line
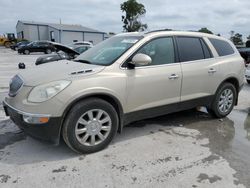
186 149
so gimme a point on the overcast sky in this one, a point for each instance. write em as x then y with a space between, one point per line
220 16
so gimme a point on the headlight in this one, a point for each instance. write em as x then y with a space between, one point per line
44 92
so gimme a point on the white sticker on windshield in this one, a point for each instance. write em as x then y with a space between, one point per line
132 41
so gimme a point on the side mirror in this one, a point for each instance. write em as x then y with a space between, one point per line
141 59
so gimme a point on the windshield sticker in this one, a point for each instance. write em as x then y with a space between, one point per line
131 41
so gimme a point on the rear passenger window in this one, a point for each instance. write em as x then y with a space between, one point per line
190 49
222 47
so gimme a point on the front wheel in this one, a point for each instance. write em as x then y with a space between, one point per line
90 125
224 101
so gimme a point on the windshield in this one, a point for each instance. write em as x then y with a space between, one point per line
108 51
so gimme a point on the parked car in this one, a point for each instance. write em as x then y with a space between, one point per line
63 52
19 44
37 46
245 54
128 77
80 43
82 48
248 74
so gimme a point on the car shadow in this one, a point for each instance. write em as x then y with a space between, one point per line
17 148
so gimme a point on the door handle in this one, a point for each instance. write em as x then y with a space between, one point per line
212 70
173 77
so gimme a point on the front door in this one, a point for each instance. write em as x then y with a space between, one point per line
157 84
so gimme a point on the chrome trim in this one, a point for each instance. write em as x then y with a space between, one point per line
25 113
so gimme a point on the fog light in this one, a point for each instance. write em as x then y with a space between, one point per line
35 120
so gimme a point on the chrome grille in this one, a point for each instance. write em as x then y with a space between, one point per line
15 84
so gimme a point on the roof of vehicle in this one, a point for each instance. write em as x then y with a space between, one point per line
64 48
171 33
244 49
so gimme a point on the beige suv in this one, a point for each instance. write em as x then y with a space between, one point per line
126 78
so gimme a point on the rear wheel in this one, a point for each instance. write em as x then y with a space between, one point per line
248 81
27 52
224 101
90 125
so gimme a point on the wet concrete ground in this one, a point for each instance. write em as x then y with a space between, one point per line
185 149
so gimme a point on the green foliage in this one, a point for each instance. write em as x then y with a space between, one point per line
237 39
205 30
133 11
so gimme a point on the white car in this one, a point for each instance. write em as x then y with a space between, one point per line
248 74
80 43
126 78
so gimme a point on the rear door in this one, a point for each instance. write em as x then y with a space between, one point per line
200 70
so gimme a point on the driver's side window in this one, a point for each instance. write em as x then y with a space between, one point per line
161 51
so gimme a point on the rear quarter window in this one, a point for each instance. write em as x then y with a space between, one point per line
223 48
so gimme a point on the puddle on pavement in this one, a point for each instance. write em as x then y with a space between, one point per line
230 138
9 134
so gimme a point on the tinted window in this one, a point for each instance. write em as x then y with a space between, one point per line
190 49
207 52
160 50
222 47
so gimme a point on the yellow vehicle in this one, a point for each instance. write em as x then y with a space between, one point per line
7 40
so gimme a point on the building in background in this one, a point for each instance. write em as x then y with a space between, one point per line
62 33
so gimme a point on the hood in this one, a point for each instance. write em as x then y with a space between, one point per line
65 49
58 70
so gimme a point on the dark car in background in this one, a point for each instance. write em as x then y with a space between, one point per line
62 52
245 54
37 46
19 45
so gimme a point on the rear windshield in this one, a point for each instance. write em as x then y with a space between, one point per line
222 47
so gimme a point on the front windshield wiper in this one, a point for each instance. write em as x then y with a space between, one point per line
82 61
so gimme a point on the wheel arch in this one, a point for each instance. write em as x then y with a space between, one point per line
235 82
104 96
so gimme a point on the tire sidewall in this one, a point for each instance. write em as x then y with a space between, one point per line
216 110
76 112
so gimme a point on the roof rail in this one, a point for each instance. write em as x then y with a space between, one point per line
160 30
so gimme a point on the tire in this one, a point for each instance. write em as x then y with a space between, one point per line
7 44
48 51
248 81
26 52
224 101
79 119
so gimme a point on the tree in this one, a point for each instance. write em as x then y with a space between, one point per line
133 11
205 30
237 39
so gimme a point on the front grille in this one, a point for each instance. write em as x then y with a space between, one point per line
15 84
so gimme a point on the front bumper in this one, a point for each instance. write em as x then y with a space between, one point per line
49 131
